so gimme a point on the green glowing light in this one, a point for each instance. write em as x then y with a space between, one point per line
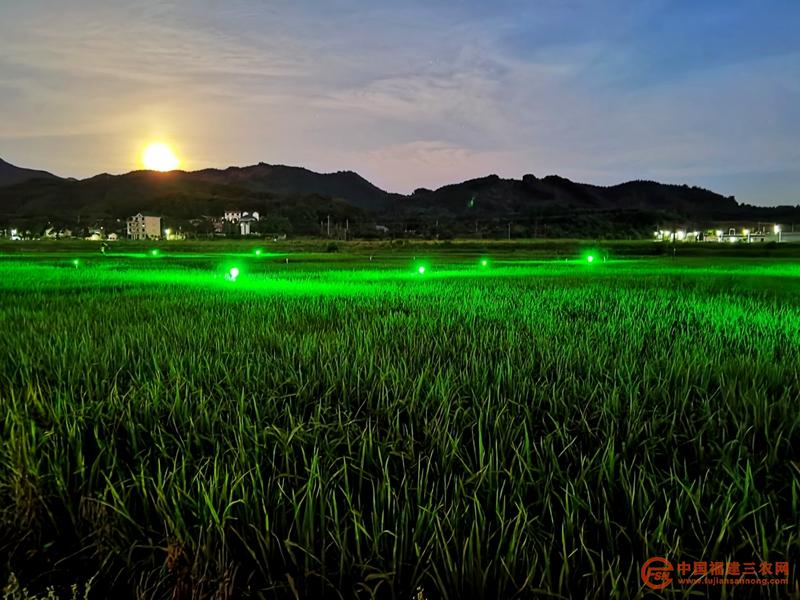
232 274
421 270
484 262
590 258
76 262
258 251
154 252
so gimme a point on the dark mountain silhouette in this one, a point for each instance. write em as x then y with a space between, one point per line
301 199
493 196
555 206
176 194
186 194
284 180
11 174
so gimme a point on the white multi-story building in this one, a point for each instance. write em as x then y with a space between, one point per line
234 216
144 227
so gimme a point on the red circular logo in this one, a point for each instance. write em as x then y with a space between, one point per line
657 573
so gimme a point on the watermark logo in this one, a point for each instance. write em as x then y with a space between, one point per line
658 573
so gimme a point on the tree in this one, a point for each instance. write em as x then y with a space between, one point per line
272 224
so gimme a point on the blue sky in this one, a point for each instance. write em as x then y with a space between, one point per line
413 93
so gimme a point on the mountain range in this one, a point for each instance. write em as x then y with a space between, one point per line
299 199
11 174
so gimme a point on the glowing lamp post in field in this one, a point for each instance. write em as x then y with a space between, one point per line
232 274
590 256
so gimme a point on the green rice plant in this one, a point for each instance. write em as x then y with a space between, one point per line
346 428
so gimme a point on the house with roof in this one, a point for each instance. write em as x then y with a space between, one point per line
144 227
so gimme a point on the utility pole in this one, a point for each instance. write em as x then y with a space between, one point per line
329 226
509 230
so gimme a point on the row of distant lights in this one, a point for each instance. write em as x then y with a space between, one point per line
233 273
680 235
421 268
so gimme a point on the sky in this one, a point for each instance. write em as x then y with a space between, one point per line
414 93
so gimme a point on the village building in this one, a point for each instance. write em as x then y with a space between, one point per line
144 227
748 234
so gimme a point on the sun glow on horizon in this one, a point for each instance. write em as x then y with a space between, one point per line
159 157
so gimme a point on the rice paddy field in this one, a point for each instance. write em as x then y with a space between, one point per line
422 422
